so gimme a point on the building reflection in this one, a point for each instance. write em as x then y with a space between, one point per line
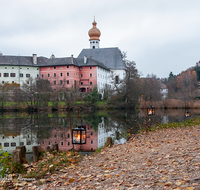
64 140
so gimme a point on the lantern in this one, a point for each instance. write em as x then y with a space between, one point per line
151 111
79 135
187 113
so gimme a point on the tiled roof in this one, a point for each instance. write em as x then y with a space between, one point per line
43 61
16 60
90 62
110 57
59 61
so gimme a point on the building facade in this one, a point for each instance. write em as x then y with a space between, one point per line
94 67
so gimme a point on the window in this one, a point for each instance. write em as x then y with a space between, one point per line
13 144
67 81
27 82
5 67
61 81
6 74
68 143
90 67
61 143
27 68
81 75
28 75
90 74
68 135
49 143
54 74
67 66
54 82
20 68
37 75
6 144
13 82
21 143
21 75
42 75
91 141
91 149
12 67
54 67
28 143
90 83
116 79
67 74
81 83
48 75
91 133
61 74
2 82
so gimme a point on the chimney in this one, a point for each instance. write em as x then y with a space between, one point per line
35 59
85 59
72 59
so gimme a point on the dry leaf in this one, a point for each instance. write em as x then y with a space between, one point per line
71 180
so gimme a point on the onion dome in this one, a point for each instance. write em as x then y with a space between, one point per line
94 32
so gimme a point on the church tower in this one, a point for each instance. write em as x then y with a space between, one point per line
94 34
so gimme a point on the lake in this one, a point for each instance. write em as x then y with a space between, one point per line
48 128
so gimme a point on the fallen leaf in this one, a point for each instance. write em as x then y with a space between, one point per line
71 180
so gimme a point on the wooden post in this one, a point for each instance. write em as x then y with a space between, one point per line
23 151
55 147
19 154
16 156
36 153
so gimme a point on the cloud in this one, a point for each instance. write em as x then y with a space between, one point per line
161 36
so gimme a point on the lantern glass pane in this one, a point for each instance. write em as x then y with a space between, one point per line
83 137
76 137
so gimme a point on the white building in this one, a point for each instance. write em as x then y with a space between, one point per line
9 143
18 69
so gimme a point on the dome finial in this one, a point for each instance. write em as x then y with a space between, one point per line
94 32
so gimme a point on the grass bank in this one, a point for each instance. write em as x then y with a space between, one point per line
188 123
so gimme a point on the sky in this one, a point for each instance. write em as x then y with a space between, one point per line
161 36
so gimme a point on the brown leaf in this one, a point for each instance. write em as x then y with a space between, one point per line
71 180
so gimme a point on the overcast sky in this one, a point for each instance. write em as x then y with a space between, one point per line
159 35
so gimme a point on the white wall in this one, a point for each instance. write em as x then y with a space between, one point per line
33 71
103 78
17 139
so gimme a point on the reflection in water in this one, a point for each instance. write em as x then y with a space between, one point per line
49 128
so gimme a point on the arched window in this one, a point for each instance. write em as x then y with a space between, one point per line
93 47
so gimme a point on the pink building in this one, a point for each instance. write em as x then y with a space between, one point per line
64 140
70 72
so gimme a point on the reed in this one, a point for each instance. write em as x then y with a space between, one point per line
172 104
